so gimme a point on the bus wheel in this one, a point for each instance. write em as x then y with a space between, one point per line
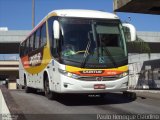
102 95
17 86
133 96
50 95
130 95
27 89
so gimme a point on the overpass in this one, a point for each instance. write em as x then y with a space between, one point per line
9 69
144 70
9 44
137 6
9 41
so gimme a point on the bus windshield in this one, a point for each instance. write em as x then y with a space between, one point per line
92 43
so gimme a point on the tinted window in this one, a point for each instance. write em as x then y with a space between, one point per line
27 46
89 43
43 35
22 49
35 41
54 43
50 29
32 42
37 38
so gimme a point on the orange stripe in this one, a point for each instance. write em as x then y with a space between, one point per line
105 73
97 72
25 62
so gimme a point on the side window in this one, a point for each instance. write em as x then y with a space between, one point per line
54 43
43 40
37 39
27 46
32 42
22 49
50 29
34 39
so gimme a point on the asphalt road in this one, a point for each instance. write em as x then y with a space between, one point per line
77 107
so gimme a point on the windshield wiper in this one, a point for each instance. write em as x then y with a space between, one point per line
110 56
86 54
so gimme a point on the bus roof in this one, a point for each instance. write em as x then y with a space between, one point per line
84 13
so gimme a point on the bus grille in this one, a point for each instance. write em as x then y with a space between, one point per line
95 78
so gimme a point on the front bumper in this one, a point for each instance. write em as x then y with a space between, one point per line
70 85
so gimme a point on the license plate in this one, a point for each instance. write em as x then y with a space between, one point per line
99 86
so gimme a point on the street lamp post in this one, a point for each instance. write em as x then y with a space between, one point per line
33 12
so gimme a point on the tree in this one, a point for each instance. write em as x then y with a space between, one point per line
139 46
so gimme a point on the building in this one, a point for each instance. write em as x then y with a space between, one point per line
144 68
9 46
137 6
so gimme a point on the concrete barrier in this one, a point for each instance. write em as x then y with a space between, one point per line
4 111
12 85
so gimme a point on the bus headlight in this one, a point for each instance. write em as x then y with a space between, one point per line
68 74
123 74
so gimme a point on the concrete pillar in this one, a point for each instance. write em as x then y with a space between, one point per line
12 81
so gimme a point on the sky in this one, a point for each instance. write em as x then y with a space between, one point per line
17 14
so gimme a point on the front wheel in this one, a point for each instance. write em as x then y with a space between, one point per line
49 94
130 95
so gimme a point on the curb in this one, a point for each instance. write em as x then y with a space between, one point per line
15 112
146 91
4 109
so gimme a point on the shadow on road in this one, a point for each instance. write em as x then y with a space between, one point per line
84 100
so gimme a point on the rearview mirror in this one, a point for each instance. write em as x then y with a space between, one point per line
129 31
56 29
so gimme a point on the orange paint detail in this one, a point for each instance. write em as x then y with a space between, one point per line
104 73
96 72
25 62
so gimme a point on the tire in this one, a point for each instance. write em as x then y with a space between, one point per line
49 94
102 95
130 95
17 86
133 96
125 94
20 87
27 89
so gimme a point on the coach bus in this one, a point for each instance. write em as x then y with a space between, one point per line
76 51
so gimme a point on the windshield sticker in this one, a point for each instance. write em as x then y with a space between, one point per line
101 60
